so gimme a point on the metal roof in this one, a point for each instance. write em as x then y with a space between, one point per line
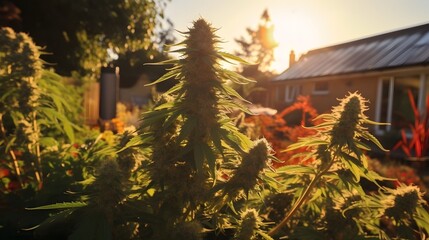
406 47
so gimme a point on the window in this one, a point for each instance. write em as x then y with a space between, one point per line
393 104
321 88
291 92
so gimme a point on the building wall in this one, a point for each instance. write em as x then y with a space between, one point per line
137 95
323 101
369 84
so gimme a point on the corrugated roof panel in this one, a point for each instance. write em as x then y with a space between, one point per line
419 54
357 56
337 64
395 51
401 55
382 49
367 53
424 40
320 62
398 48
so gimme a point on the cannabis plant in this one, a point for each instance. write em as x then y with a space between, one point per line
200 164
188 169
33 107
328 200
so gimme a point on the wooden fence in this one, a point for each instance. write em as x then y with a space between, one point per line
91 104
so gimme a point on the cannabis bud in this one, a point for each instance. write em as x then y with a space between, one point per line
20 68
403 201
350 117
108 185
250 222
253 162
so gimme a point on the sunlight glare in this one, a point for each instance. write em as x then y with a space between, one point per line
297 32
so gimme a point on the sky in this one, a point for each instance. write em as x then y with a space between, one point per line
299 25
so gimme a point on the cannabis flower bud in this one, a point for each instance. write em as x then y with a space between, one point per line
350 118
250 223
402 202
108 185
20 68
253 163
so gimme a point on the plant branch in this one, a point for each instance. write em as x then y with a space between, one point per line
38 168
304 197
11 153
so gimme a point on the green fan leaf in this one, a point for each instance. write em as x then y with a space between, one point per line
60 206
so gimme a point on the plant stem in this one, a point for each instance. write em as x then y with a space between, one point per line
304 197
12 154
38 168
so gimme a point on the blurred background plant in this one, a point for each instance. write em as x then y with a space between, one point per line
418 145
87 35
283 128
40 133
35 116
257 48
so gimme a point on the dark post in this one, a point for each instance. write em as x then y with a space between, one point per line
108 93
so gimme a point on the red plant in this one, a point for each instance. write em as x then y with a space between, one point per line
418 145
277 131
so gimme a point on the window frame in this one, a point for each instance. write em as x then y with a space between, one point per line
423 81
317 91
291 93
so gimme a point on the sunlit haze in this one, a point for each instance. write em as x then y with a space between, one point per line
300 25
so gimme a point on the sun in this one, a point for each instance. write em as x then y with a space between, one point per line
299 33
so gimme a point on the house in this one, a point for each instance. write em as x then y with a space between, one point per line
382 68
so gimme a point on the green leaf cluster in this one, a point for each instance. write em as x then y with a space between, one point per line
36 116
331 199
78 34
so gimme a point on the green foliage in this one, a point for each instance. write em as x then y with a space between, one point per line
39 119
200 163
329 200
78 33
187 169
35 115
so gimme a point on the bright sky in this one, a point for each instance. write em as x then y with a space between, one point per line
300 25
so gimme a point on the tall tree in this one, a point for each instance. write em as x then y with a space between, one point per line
78 34
259 45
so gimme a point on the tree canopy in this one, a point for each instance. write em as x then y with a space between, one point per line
83 35
258 47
